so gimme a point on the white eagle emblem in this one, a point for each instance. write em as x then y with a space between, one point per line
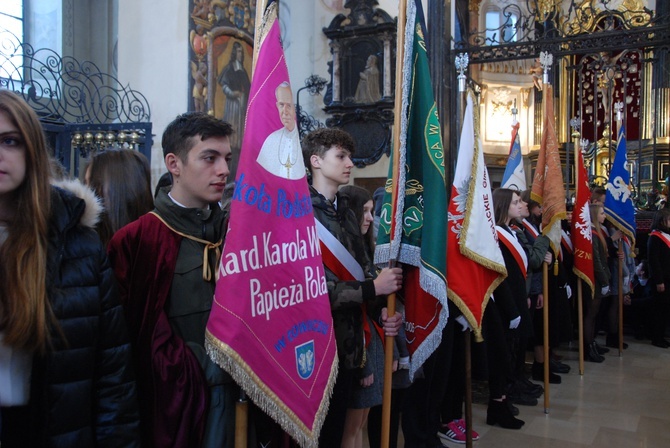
460 201
584 222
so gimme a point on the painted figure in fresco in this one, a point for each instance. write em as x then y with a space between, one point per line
281 154
235 83
199 74
201 9
368 86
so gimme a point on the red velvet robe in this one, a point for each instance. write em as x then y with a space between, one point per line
173 391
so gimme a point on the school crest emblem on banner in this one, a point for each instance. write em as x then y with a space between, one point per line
304 359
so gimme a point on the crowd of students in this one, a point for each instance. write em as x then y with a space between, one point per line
106 289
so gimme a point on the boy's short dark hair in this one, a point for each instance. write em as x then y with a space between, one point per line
321 140
179 135
597 193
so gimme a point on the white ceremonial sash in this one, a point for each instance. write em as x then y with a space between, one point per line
515 248
662 235
567 242
531 228
336 257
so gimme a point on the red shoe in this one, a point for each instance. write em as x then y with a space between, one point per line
452 432
461 425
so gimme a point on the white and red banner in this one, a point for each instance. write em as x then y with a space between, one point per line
271 326
581 226
475 263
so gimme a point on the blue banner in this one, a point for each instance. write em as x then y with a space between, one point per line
515 176
618 203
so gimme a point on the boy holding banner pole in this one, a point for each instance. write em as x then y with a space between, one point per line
349 271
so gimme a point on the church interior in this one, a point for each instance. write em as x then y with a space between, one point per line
110 73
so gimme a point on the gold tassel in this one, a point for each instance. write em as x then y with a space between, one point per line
206 269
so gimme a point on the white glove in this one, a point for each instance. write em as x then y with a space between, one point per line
464 322
514 323
403 363
568 291
605 290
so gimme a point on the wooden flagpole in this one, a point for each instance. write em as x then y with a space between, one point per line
620 298
390 301
619 108
545 336
546 60
241 420
580 318
242 404
461 65
580 311
468 387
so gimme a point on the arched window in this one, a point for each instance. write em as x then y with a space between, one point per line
500 27
11 16
11 19
37 22
44 24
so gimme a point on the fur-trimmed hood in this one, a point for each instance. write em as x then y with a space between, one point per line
91 214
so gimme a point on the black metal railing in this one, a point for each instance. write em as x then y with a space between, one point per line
528 27
62 89
306 122
82 109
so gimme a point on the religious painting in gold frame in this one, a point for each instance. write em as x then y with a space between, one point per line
230 60
220 35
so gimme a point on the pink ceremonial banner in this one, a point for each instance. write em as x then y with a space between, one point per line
270 326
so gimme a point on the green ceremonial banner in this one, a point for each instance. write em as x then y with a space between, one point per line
414 233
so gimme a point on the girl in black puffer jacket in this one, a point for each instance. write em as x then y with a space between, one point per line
65 379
